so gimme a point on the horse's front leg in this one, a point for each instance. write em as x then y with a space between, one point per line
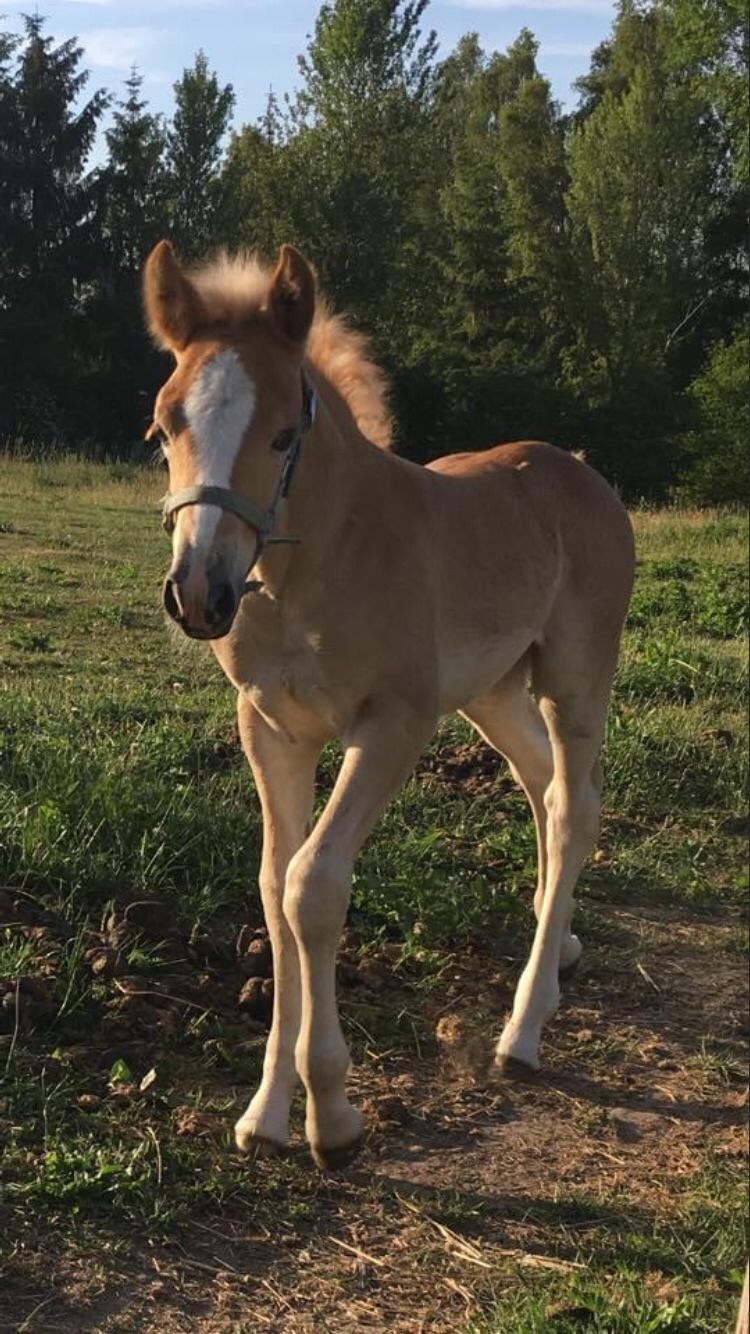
380 751
284 775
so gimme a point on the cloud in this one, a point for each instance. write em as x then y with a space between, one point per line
154 7
119 48
604 7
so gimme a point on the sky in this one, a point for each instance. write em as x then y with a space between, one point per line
254 44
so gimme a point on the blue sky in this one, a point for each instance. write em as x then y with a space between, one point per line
253 44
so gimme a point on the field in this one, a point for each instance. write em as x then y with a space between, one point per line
607 1194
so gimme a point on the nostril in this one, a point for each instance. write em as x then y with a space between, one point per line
171 600
223 603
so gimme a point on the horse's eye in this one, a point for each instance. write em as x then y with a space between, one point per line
284 440
157 436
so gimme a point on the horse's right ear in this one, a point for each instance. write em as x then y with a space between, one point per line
173 307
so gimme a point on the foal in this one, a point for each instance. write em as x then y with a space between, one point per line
382 595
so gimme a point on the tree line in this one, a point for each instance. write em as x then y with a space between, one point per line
579 277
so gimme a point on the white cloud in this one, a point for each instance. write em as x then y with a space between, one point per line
119 48
587 6
155 7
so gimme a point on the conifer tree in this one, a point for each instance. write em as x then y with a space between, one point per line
135 180
51 228
194 152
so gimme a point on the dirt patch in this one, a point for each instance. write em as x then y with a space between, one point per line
470 767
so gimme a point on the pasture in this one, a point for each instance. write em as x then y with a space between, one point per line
606 1194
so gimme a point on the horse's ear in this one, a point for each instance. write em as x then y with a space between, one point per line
292 295
173 308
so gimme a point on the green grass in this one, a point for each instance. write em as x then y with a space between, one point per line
642 1282
111 779
121 779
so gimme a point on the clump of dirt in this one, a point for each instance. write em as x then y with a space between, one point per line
256 998
253 952
464 1046
147 972
469 766
25 1002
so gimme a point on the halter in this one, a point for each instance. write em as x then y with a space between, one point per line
262 520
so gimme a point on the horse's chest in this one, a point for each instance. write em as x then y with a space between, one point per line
290 690
278 663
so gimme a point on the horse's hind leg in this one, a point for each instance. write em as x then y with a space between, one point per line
284 777
509 719
574 695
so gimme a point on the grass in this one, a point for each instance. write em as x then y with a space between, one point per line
129 838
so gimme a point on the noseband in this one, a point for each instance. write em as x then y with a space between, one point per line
262 520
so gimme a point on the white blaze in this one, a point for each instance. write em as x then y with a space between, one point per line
219 408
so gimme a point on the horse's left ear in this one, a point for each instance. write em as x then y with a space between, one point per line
292 295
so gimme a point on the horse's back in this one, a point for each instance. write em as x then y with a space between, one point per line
542 467
537 484
532 538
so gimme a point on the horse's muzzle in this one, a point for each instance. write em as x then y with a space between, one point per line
206 615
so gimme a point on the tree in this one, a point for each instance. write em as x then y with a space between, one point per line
696 53
50 229
707 43
498 238
532 164
717 445
134 180
117 367
257 185
634 44
523 273
364 51
8 44
639 198
343 170
358 119
194 151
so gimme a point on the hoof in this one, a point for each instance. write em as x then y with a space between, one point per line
338 1158
509 1067
568 971
257 1146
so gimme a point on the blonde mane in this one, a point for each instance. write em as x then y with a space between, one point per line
233 287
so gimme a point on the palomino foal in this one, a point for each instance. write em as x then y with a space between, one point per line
383 595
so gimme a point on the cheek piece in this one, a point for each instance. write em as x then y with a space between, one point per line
289 443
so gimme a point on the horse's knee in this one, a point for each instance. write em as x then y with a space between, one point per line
316 895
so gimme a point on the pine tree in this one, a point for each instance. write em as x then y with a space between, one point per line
134 180
119 365
51 228
8 157
194 151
